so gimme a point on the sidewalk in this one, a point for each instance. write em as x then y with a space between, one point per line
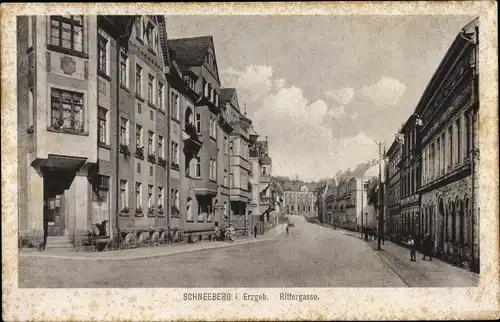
420 273
155 251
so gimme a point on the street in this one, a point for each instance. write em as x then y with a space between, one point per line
311 256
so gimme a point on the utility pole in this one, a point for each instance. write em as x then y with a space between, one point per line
380 212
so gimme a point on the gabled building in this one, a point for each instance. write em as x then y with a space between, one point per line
239 165
201 195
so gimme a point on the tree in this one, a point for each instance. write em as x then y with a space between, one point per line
372 193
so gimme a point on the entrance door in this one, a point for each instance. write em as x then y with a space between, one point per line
54 215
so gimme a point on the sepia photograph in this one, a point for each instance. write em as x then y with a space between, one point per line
213 152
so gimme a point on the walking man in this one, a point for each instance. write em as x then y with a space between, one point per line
255 231
411 242
287 229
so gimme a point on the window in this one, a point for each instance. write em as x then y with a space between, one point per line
160 96
450 146
198 123
160 197
459 141
161 143
150 142
264 170
231 180
150 196
139 108
67 32
213 169
151 80
151 171
102 125
66 110
138 195
123 194
31 104
197 167
138 80
216 99
205 88
174 105
123 69
138 166
151 115
138 136
174 198
438 156
123 131
468 135
225 181
103 53
226 151
175 153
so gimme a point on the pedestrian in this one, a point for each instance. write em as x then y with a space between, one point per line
255 231
411 242
427 247
287 229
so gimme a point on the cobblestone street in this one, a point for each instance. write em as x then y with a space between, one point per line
311 256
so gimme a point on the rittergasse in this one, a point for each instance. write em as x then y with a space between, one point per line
298 297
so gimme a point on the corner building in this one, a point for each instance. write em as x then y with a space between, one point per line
449 140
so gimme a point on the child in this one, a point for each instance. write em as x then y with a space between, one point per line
411 242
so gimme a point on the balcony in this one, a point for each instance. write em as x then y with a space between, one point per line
238 194
192 142
205 188
226 127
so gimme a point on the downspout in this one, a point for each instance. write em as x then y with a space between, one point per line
117 160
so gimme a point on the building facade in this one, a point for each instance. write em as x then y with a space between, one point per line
393 189
119 124
449 111
302 202
410 169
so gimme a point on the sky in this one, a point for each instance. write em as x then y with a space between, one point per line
324 88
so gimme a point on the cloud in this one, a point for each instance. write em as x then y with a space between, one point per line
343 96
337 112
386 92
299 142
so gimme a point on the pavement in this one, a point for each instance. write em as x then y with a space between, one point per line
419 273
310 256
154 251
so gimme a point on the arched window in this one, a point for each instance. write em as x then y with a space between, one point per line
460 218
188 116
451 221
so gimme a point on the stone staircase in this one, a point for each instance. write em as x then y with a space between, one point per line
58 244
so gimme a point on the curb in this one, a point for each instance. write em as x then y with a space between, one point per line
388 264
54 256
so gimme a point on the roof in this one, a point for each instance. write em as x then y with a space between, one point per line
226 94
372 172
191 51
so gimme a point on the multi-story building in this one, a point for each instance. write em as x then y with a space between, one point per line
410 168
57 103
238 140
392 195
253 212
449 113
200 180
302 202
141 139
